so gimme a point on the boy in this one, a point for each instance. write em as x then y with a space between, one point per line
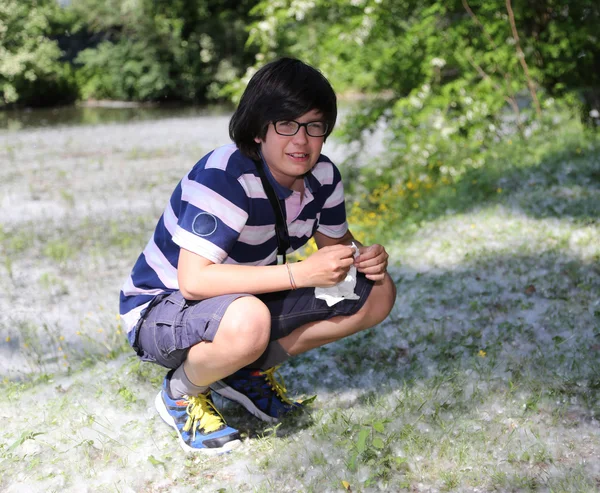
208 299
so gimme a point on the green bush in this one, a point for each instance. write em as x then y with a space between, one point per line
151 49
31 70
126 70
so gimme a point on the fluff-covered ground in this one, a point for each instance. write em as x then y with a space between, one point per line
486 377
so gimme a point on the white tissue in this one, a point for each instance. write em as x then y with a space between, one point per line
343 290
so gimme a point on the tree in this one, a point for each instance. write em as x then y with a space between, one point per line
31 70
158 49
446 76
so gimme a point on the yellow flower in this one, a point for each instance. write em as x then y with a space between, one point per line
7 339
481 353
498 190
410 185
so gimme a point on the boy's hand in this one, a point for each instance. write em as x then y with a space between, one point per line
326 267
372 262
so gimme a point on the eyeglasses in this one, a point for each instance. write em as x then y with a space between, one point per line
291 127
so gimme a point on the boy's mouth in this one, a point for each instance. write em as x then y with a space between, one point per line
298 155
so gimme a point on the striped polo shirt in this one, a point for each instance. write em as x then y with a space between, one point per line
220 211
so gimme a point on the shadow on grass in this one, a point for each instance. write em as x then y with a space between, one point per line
518 321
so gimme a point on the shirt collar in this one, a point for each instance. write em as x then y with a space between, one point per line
310 182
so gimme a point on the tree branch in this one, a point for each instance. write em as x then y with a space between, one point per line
511 96
521 56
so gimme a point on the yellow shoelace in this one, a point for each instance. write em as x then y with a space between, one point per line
278 386
202 414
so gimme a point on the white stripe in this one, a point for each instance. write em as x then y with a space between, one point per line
130 289
131 318
257 235
220 157
333 231
210 201
336 198
323 172
199 246
301 228
159 264
252 186
170 219
270 259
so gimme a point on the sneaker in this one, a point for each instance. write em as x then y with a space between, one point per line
200 427
259 392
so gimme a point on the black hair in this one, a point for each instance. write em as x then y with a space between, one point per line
281 90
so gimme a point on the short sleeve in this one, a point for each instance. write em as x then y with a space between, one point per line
212 212
333 222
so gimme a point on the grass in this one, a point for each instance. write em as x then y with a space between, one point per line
484 378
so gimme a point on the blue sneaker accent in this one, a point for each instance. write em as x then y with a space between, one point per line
259 392
200 427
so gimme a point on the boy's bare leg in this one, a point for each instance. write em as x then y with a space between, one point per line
244 331
242 337
316 334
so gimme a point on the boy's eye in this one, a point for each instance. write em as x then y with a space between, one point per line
317 126
286 125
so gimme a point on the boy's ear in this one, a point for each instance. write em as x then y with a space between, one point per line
257 140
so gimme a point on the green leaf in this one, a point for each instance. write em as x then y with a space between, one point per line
378 443
378 426
22 439
155 462
361 443
308 400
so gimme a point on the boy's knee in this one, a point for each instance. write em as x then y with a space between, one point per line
380 303
247 325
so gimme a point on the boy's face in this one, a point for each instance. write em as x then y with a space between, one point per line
290 157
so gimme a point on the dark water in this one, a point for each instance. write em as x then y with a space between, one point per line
93 115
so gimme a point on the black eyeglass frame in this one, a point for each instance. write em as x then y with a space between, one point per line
300 125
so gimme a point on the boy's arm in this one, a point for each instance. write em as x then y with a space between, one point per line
200 278
323 240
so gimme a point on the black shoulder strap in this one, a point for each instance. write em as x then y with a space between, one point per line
281 230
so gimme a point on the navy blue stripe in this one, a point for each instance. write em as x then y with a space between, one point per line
244 253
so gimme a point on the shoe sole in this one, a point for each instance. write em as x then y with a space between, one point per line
226 391
167 418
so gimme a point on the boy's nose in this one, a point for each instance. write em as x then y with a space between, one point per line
301 135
